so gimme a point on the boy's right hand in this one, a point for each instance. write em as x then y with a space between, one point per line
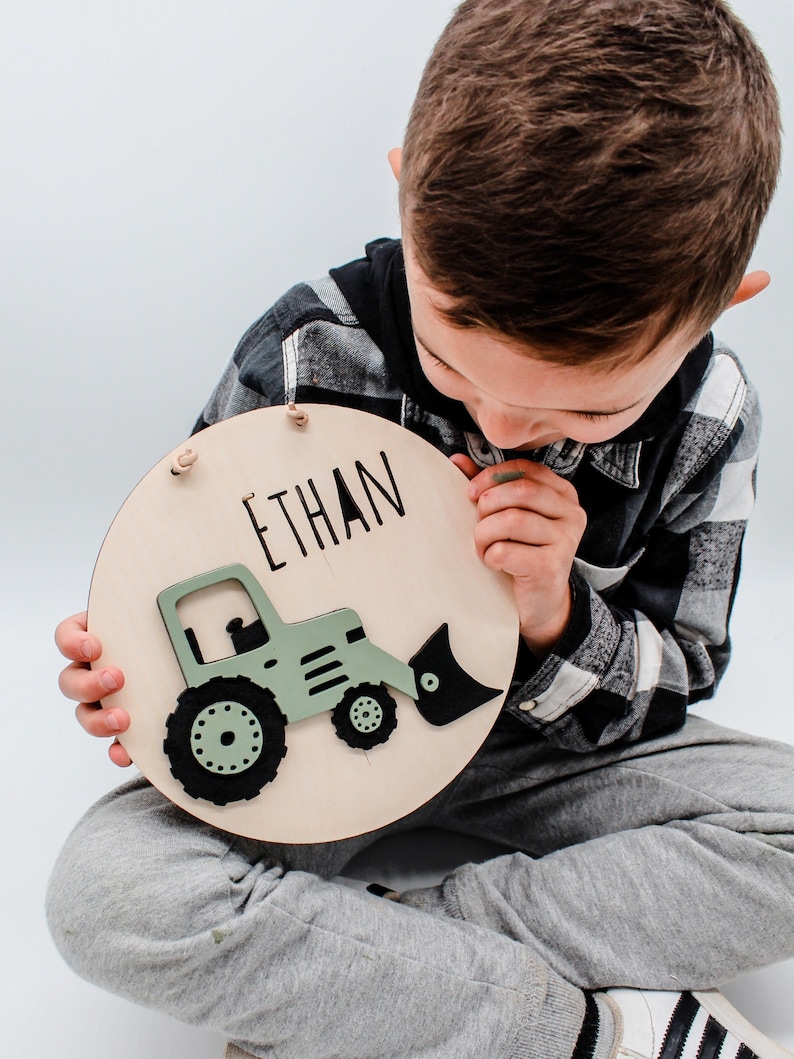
86 686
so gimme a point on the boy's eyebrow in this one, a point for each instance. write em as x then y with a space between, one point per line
568 411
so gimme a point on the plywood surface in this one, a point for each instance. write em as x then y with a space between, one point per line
396 537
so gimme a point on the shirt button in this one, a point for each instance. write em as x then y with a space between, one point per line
529 705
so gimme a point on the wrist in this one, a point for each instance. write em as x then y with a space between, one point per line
541 637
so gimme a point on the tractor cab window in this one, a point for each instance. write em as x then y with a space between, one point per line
220 622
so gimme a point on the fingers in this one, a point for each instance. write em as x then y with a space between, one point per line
529 527
526 487
86 687
526 546
104 723
75 642
77 681
527 496
530 520
119 756
520 477
513 526
89 685
81 647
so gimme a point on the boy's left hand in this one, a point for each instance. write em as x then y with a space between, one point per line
529 527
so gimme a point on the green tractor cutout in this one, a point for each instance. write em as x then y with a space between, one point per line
226 740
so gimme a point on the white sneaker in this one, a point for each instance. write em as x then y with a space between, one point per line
687 1026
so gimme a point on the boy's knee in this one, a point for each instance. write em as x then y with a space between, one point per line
137 883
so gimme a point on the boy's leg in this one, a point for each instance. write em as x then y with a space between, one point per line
251 941
663 865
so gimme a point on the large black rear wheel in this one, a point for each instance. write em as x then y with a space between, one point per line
225 739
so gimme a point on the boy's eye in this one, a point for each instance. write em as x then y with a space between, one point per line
594 417
438 363
588 417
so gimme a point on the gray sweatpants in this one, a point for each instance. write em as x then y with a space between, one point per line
664 865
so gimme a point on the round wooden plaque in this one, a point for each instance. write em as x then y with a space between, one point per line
311 647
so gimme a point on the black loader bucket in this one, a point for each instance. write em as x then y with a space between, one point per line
445 690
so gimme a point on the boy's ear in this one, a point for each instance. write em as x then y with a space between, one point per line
395 157
752 284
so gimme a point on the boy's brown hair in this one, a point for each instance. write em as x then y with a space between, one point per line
585 175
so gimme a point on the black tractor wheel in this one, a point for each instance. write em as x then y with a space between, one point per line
225 739
366 715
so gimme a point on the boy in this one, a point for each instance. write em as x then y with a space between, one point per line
581 188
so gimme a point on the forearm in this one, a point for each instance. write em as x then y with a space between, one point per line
614 675
636 654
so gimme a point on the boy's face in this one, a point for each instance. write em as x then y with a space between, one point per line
520 401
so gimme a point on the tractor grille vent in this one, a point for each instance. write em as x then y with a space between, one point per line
327 665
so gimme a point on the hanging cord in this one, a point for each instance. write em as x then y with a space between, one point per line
182 463
298 415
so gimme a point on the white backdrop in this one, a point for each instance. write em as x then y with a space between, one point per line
167 170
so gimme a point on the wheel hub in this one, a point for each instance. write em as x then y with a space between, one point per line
226 738
366 715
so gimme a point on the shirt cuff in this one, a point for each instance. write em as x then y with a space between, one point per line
573 670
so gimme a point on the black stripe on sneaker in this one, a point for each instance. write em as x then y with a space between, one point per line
746 1053
588 1034
679 1026
711 1041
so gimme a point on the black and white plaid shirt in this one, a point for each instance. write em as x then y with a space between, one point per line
667 500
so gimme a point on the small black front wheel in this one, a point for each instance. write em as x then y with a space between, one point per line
225 739
366 716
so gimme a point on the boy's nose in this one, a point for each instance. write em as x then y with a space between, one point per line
509 428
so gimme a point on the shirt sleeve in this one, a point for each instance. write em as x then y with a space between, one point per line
253 378
634 657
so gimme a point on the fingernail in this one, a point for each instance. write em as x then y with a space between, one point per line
85 650
500 477
112 722
108 682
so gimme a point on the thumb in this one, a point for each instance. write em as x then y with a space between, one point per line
466 464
